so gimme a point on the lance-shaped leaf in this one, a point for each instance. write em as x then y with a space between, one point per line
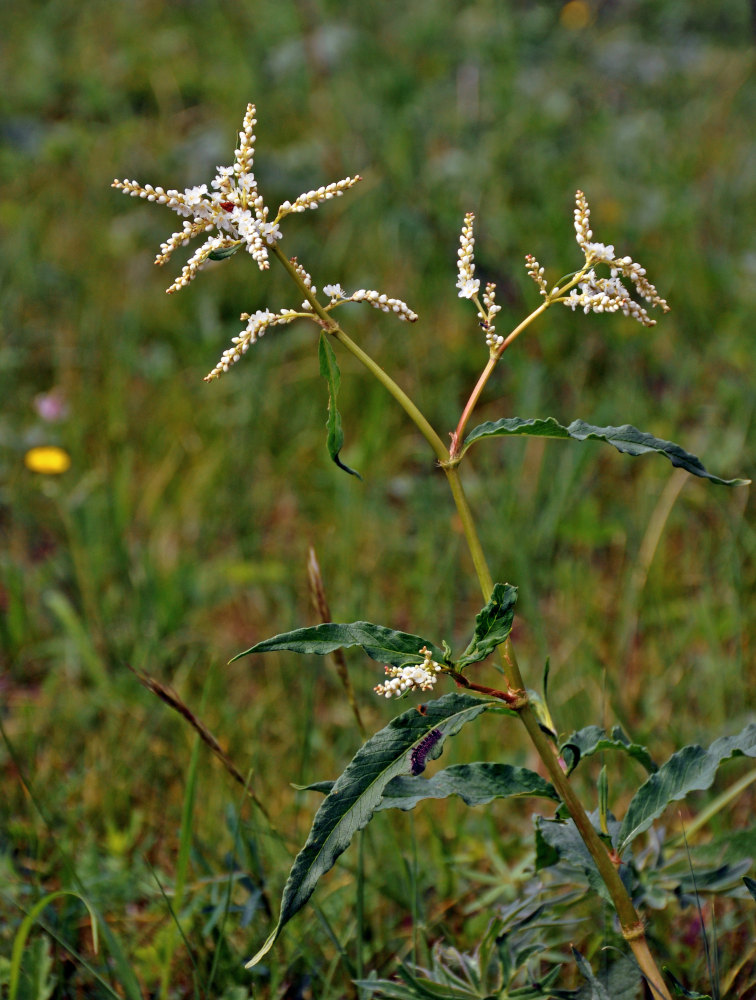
683 991
329 369
690 769
476 784
492 624
626 439
593 739
596 989
380 643
358 791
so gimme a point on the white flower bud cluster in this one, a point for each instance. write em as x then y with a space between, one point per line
608 295
536 272
378 300
582 220
306 280
244 156
594 252
257 324
188 232
147 192
493 339
467 284
637 274
420 676
311 199
600 294
198 260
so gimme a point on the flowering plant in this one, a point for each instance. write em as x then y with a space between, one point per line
386 771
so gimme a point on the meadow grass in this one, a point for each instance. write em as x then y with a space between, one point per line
179 536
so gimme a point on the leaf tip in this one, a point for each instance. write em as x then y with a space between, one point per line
238 657
263 951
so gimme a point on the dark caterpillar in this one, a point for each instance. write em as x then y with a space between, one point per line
419 755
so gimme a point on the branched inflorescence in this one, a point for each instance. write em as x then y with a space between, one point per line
594 293
469 285
585 289
234 213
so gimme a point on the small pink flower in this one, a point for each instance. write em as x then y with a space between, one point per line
51 406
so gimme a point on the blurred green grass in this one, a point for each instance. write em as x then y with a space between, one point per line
179 535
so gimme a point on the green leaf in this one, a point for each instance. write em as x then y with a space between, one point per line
626 439
32 917
681 991
619 982
358 791
315 786
715 879
596 987
380 643
557 842
690 769
560 841
750 885
476 784
593 739
492 624
225 252
329 369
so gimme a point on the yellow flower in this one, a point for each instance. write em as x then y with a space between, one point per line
576 15
47 459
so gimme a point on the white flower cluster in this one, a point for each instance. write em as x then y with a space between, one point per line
306 281
536 272
234 214
234 207
419 676
378 300
607 294
311 199
493 339
257 324
467 284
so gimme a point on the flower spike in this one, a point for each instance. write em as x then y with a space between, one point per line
467 284
257 324
311 199
602 294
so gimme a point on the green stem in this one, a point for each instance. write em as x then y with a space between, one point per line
472 402
556 295
415 415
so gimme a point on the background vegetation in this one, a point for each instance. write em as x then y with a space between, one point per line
179 534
